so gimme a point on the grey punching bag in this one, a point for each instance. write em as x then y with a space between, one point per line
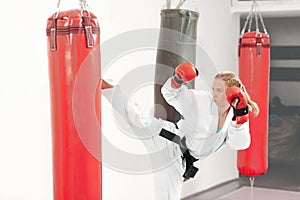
177 44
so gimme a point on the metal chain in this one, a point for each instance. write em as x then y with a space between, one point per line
83 4
84 7
195 5
262 21
250 22
57 9
181 2
247 21
249 17
58 4
254 11
166 5
256 19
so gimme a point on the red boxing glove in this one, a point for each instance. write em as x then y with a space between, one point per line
241 108
184 72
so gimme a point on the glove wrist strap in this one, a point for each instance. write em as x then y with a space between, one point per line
176 82
239 112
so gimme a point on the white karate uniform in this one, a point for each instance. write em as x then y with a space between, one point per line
199 127
167 167
201 122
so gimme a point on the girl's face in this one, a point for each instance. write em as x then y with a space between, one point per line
219 96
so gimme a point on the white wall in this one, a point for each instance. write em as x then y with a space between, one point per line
25 144
25 150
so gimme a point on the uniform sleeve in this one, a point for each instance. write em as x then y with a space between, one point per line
238 138
176 97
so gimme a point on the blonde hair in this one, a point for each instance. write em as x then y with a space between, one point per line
231 79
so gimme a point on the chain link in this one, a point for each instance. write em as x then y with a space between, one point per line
256 19
262 21
247 20
250 22
181 2
57 9
167 5
84 7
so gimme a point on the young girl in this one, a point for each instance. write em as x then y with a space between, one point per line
209 122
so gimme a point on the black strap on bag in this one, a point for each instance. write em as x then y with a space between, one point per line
190 170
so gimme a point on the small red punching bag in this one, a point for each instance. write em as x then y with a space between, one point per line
254 72
73 39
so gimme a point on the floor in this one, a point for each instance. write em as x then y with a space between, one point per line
279 181
256 193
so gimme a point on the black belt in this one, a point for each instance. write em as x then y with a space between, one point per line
190 170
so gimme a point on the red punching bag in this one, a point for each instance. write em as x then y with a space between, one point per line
254 70
73 43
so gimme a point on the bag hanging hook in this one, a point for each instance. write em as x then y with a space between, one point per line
84 7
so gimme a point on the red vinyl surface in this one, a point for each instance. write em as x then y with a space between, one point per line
77 170
254 72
